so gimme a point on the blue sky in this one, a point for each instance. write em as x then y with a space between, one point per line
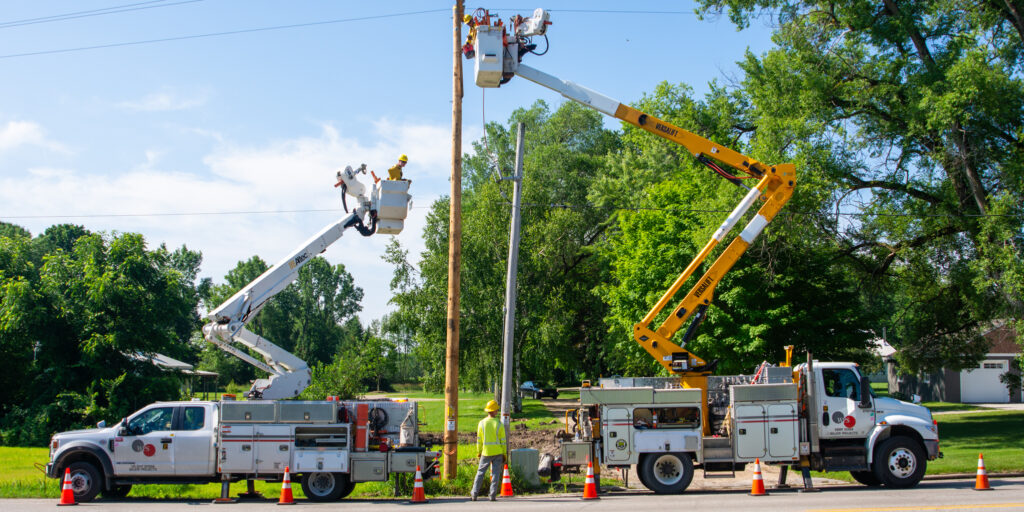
115 138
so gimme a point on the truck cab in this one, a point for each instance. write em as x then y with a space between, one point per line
879 440
161 440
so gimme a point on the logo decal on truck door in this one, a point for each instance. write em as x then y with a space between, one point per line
849 422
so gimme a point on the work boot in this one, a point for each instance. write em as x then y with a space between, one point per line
494 498
472 497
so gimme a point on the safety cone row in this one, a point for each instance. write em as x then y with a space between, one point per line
67 494
981 481
418 495
286 489
757 486
506 484
589 487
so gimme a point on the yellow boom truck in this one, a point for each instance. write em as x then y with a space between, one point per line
818 415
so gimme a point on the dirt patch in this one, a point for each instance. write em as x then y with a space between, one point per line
543 440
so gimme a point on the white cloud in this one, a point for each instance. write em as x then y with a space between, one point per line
292 175
166 100
15 134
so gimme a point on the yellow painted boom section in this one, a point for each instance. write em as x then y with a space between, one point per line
775 187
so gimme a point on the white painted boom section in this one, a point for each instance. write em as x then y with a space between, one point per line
251 299
736 214
571 90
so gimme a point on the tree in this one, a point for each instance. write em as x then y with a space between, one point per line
786 288
80 321
558 317
922 105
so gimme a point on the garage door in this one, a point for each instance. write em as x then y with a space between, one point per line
981 385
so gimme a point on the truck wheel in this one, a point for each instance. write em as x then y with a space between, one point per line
85 480
667 473
866 477
899 462
640 475
324 486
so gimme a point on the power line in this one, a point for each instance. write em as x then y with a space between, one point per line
530 205
54 16
95 12
225 33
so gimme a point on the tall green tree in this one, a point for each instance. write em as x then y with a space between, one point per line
558 319
785 290
89 309
922 105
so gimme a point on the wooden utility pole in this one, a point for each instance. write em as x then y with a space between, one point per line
451 372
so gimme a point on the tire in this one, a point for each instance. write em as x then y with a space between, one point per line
640 474
86 480
899 462
667 473
323 487
866 477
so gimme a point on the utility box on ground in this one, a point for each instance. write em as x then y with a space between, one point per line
523 462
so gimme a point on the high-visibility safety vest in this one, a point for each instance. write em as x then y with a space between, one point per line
490 437
395 173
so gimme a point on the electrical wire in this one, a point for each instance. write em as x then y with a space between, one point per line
92 12
550 206
224 33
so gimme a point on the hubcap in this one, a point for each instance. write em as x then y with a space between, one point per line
321 484
80 482
668 470
902 462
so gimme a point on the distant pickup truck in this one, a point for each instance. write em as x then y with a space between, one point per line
530 389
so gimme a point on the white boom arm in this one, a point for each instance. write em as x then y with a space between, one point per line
289 375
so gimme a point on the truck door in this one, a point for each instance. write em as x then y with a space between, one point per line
617 427
147 448
839 389
193 441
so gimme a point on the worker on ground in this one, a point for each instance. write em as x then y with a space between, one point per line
490 449
395 173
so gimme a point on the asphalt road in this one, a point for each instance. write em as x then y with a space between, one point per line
1007 494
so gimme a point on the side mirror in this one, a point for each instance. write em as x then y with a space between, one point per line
865 393
101 424
123 429
915 398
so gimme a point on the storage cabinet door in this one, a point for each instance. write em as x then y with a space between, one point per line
749 431
782 432
273 448
237 449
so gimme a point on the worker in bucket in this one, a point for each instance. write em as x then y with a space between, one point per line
490 449
395 173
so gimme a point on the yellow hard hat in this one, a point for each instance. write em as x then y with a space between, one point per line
403 158
467 18
491 406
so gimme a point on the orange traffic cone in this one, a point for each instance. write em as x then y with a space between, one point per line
506 484
589 488
67 494
757 486
286 489
981 482
418 496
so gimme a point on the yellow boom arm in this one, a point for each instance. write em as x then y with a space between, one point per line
775 187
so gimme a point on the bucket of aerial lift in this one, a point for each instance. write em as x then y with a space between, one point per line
393 206
489 58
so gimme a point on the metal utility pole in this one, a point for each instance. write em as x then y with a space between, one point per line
510 283
451 372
